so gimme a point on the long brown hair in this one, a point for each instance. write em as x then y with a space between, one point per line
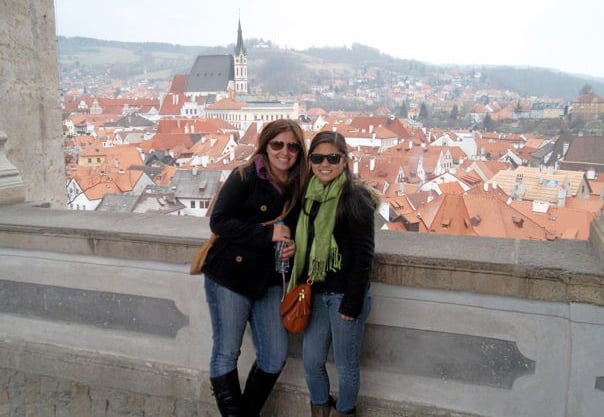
297 173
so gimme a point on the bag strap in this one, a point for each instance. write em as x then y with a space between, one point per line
286 209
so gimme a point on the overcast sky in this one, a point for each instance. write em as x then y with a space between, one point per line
564 35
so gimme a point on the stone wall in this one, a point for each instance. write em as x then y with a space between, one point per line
459 327
29 98
23 394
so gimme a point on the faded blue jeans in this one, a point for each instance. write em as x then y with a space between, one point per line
230 312
327 328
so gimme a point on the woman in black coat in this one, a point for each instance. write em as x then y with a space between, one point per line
334 249
241 282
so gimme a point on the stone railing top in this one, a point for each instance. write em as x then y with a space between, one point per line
563 270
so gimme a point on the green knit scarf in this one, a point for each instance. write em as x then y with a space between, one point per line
324 252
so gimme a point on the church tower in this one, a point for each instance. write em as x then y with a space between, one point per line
240 64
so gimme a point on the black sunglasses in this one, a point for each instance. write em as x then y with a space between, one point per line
332 158
277 145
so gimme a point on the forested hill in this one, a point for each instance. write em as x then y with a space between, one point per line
281 70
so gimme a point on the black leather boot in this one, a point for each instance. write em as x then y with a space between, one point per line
228 394
258 386
323 410
336 413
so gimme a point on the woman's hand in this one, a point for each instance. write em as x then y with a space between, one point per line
289 250
281 233
346 318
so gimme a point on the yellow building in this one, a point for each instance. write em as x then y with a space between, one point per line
588 106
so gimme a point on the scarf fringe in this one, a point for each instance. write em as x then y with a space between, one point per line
318 269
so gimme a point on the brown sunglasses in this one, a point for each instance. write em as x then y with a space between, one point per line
277 145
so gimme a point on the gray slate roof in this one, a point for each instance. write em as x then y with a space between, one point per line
204 185
158 199
150 171
542 151
118 202
131 120
211 73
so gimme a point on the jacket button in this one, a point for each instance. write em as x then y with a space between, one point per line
263 207
239 259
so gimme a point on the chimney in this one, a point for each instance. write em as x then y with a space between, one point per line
561 197
372 163
194 171
518 221
232 154
565 146
370 128
518 192
355 168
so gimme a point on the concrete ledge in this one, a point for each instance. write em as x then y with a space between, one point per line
139 384
448 350
566 271
101 369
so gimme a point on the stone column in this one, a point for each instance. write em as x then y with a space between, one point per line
29 99
12 189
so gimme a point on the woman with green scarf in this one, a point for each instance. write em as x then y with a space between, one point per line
335 248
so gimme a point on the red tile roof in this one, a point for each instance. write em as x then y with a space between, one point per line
172 104
165 142
179 82
563 222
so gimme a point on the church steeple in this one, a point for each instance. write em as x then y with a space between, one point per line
239 49
240 64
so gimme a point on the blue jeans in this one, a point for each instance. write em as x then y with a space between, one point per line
230 313
327 328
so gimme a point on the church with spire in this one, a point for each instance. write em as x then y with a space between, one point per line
215 77
217 87
240 64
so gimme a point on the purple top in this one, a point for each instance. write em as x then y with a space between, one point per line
262 172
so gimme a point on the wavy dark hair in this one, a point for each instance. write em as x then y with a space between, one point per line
354 193
297 173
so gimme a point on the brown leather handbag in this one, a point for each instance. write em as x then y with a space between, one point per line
201 254
296 306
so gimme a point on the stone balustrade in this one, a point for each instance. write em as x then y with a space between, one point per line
98 313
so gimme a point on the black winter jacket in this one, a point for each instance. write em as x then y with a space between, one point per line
356 242
243 257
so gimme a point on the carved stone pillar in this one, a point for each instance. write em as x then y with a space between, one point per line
12 189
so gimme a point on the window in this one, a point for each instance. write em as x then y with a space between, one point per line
192 204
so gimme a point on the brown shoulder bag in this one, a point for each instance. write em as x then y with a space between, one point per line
296 306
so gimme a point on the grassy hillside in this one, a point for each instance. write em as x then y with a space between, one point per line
288 71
